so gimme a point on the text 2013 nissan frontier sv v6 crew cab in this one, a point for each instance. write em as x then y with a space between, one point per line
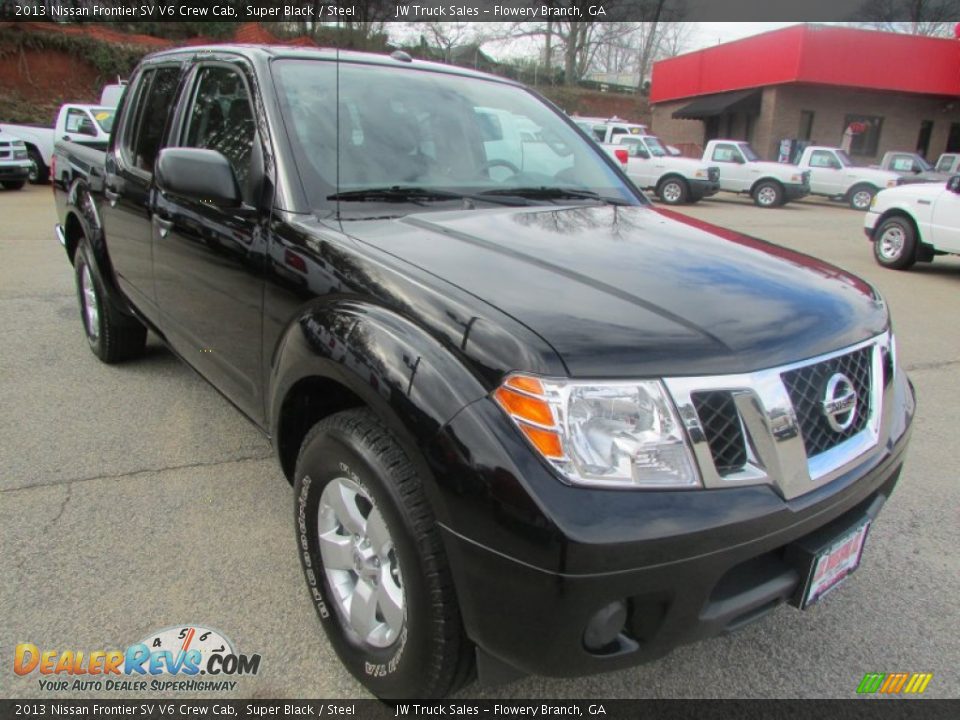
532 423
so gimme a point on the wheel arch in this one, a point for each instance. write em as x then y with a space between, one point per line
672 175
336 357
862 184
899 213
765 179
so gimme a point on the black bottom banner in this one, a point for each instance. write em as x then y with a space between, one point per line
858 709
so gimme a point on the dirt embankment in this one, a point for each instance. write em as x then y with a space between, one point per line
34 84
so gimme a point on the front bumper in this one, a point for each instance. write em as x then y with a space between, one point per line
703 188
14 171
870 221
795 191
535 560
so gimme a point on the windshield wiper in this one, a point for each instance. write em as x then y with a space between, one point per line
555 193
396 193
417 195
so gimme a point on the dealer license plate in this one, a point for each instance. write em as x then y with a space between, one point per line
832 565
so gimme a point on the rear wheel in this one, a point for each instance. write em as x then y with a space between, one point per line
861 196
895 244
673 191
374 563
768 194
112 336
39 172
12 184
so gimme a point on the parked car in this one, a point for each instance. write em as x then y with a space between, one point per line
532 423
949 164
770 184
912 168
675 180
14 163
834 175
605 130
915 222
85 124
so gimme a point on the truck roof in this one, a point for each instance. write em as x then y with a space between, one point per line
268 52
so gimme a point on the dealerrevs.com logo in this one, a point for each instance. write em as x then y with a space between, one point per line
184 653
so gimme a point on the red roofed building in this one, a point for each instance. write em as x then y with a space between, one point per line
811 82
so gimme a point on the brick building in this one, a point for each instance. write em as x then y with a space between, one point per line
811 82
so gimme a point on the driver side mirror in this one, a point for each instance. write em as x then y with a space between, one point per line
199 175
953 184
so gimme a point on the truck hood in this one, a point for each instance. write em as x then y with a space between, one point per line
690 165
780 170
930 176
636 291
878 177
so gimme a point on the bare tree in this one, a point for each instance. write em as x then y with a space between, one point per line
916 17
445 36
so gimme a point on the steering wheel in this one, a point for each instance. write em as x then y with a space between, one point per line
496 162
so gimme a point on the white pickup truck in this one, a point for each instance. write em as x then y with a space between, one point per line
14 163
606 130
675 180
949 163
914 222
770 184
84 124
834 175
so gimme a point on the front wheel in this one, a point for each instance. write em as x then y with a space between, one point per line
861 197
374 563
768 194
39 172
673 191
895 244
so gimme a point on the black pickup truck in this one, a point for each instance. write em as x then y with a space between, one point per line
532 423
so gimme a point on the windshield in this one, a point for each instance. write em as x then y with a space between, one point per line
748 152
844 159
922 163
945 164
655 146
402 129
104 117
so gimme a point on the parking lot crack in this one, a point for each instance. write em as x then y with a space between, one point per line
131 474
918 367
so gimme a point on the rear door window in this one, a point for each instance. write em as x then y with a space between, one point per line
154 104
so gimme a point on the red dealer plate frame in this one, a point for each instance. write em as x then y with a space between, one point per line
834 564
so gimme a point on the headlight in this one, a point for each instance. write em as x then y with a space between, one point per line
700 173
602 434
796 178
873 202
19 154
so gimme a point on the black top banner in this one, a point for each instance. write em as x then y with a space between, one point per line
353 11
489 709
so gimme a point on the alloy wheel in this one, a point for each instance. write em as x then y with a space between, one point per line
91 306
360 562
891 243
671 192
861 199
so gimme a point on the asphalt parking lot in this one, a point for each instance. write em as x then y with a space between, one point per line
134 498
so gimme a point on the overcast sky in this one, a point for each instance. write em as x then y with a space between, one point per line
711 33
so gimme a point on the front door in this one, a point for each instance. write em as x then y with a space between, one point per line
826 174
208 260
945 225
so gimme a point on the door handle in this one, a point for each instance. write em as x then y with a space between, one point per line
111 195
164 225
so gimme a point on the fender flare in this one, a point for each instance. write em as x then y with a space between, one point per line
411 381
81 209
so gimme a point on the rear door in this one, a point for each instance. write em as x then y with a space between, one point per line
208 260
129 180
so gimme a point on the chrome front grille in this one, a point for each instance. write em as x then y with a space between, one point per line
807 386
723 430
770 426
